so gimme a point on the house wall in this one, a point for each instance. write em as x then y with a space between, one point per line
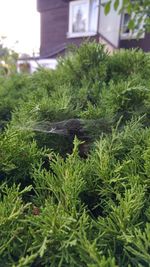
143 43
54 28
44 5
54 25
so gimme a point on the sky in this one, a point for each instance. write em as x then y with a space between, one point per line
20 23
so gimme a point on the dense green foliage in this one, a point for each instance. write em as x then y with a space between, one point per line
58 206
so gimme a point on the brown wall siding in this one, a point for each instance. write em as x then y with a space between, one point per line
43 5
141 43
54 27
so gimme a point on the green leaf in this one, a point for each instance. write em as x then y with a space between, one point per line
131 24
116 4
107 7
125 2
129 8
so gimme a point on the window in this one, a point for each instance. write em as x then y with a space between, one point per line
83 16
125 21
127 33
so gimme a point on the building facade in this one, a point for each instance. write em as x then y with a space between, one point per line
64 22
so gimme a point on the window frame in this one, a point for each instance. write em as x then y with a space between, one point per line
87 33
131 34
